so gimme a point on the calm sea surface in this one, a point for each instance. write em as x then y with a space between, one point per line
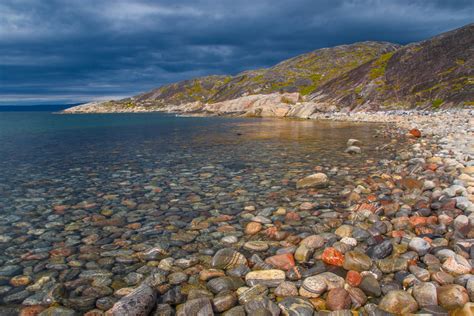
82 193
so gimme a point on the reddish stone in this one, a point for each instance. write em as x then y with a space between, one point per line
431 166
292 216
284 261
421 230
418 220
338 299
411 184
31 310
223 218
366 207
134 226
271 231
398 233
333 256
253 228
353 278
371 198
60 209
225 228
415 133
61 252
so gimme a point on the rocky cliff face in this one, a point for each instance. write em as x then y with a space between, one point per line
364 76
434 73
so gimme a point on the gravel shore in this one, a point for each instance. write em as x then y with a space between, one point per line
398 240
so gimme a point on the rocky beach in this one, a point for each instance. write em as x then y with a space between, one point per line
387 228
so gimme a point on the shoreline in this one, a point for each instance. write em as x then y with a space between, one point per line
387 250
428 154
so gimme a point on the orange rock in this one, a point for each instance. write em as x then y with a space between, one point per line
418 220
371 198
271 231
333 256
421 230
61 252
292 216
59 209
398 233
353 278
415 133
284 261
225 228
134 225
253 228
20 280
31 310
366 207
223 218
431 166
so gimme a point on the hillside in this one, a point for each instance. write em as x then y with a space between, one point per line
434 73
301 74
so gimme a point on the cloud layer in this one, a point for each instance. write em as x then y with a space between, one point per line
54 51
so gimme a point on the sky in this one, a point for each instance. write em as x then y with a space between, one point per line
73 51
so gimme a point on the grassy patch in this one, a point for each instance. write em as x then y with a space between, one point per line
436 103
380 65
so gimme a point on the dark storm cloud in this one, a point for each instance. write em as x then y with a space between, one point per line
77 50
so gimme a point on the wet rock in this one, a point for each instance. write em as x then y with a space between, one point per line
419 245
283 261
434 310
253 228
139 302
58 311
338 299
224 301
224 283
256 246
353 150
380 251
425 294
370 286
285 289
317 180
357 261
332 256
389 265
228 258
163 310
452 296
269 278
196 307
313 286
398 302
262 306
249 294
235 311
457 265
303 253
295 306
353 278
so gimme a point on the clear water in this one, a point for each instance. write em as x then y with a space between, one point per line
156 171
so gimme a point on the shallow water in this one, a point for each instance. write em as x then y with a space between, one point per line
156 171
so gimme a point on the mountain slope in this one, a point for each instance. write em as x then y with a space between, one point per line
438 72
302 74
429 74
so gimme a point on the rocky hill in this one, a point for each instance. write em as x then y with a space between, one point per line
301 74
430 74
438 72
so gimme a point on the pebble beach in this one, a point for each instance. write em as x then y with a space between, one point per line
384 226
